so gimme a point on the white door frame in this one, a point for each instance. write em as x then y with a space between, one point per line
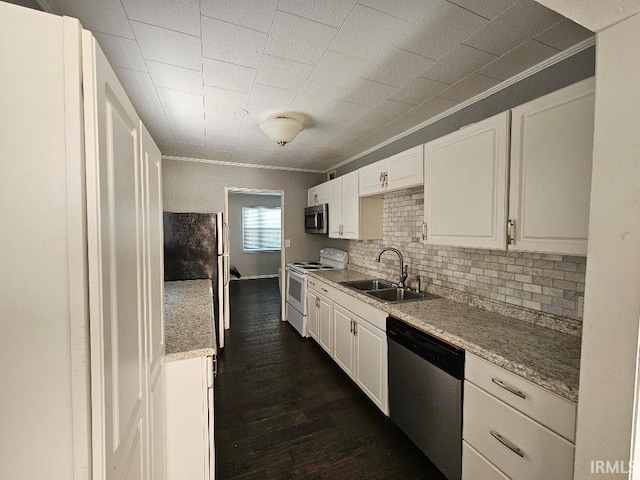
283 259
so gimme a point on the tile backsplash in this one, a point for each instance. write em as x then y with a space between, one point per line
546 289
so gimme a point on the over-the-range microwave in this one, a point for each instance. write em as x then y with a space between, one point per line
316 219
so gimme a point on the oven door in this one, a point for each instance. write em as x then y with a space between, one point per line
297 291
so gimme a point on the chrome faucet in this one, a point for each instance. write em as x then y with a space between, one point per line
403 267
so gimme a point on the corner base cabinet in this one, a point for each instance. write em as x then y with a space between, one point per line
190 428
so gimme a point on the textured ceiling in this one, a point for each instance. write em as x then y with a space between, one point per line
357 72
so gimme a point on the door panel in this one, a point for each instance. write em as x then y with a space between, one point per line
370 179
551 157
343 339
335 207
371 363
325 320
405 169
350 205
465 202
312 315
115 248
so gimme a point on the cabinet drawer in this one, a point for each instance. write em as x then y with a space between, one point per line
476 467
321 287
543 406
515 444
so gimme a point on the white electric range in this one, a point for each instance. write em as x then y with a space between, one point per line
296 309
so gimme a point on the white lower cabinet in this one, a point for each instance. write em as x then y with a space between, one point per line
343 339
358 342
508 428
320 314
190 446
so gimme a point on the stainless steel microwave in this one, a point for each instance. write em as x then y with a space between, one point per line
316 219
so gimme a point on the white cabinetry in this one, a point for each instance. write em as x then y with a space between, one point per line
320 314
190 419
360 346
358 340
469 177
514 426
551 156
349 216
465 190
402 170
318 195
82 178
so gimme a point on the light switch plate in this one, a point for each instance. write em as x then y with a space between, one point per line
287 243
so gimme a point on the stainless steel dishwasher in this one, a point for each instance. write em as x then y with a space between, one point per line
425 394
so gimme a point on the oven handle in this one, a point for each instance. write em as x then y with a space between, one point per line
296 274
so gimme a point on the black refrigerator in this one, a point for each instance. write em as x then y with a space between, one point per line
196 246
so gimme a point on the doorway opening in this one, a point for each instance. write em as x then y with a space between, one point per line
256 235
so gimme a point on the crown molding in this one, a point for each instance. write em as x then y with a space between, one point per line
238 164
569 52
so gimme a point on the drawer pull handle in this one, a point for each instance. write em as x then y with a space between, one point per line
507 444
509 389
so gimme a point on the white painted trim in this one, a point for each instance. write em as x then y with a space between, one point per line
283 254
255 277
238 164
77 249
577 48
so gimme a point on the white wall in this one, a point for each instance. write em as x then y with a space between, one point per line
250 264
36 376
612 295
199 187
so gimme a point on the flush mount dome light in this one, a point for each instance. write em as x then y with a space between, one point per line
281 130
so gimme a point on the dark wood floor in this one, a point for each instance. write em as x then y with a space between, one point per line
285 410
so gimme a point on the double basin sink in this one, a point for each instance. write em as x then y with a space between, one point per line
386 292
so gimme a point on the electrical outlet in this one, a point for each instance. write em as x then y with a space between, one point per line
287 243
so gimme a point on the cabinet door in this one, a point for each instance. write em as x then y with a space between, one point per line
370 179
322 191
119 370
187 419
465 186
371 363
551 156
312 314
350 206
335 207
312 195
154 298
343 339
325 325
405 169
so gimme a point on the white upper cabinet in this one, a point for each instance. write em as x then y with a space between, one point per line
465 179
318 195
551 155
350 216
402 170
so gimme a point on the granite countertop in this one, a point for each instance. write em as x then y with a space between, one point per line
546 357
188 320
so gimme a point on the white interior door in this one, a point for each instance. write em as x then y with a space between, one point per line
114 211
551 156
154 296
465 185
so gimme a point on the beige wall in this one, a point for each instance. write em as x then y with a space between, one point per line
612 295
200 187
250 264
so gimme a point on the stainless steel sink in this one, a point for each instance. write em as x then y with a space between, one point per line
368 284
389 295
386 292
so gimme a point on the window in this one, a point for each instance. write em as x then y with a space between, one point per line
261 229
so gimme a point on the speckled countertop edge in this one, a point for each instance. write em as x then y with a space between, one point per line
188 320
546 357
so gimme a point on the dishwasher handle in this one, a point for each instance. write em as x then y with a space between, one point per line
446 357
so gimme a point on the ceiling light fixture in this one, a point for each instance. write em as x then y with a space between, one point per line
281 130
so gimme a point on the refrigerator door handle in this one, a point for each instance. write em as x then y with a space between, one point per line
225 238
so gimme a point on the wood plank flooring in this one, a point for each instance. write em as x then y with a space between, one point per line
285 410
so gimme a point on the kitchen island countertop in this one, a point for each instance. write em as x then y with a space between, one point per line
546 357
188 320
